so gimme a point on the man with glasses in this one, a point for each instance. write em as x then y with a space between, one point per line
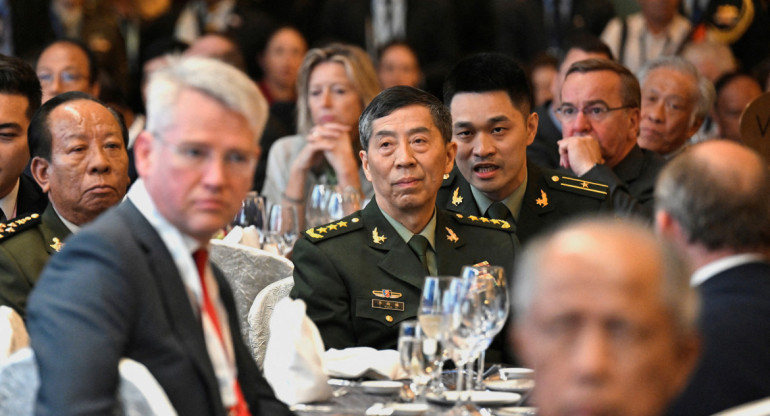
67 65
600 122
136 283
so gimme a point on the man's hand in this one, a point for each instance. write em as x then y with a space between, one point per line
579 153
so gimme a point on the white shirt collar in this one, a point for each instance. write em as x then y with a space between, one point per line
74 228
8 202
710 270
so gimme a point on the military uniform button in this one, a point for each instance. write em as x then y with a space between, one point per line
389 318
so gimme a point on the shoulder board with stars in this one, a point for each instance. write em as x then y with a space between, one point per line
485 222
333 229
578 186
17 225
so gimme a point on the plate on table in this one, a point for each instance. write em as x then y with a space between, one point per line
381 386
516 411
520 385
408 409
484 398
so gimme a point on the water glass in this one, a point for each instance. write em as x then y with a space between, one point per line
417 353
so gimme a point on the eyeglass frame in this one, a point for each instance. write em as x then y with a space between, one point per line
66 77
593 117
198 161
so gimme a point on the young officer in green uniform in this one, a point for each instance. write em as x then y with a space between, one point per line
360 276
493 122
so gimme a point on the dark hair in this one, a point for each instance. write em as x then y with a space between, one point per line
18 78
393 43
729 77
630 92
39 135
486 72
587 43
398 97
93 70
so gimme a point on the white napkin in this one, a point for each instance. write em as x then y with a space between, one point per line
294 364
364 362
248 236
13 333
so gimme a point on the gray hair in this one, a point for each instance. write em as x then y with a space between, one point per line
211 77
679 297
718 206
704 96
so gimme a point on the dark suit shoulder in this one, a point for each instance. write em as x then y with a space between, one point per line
564 183
18 225
334 229
483 222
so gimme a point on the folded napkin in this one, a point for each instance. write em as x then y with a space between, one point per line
13 334
294 364
248 236
364 362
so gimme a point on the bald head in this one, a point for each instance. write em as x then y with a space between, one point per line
606 316
718 193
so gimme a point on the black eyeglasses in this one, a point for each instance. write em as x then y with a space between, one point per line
595 112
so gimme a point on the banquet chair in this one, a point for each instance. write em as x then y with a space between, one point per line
139 394
13 333
259 316
248 270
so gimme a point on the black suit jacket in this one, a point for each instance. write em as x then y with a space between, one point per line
537 213
31 199
112 292
544 150
735 326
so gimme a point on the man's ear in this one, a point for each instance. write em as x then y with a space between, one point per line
143 148
40 169
365 164
451 152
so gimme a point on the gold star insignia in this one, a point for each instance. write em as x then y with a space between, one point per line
342 224
321 229
332 227
543 200
311 232
451 236
473 218
34 215
377 238
57 244
584 184
496 222
555 178
484 219
456 198
505 224
459 215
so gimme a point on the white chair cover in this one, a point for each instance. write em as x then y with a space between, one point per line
757 408
19 382
13 333
139 393
248 270
259 316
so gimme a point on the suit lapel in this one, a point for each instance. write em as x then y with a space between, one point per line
449 244
461 198
398 260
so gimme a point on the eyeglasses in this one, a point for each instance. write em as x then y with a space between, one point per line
196 156
595 112
65 77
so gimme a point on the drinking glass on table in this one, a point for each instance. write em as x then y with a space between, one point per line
282 229
429 315
417 353
253 212
317 209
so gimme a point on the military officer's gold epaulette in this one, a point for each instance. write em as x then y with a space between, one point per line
578 186
480 221
335 228
15 226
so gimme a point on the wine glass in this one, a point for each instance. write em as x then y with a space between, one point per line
282 229
429 315
417 354
252 213
317 209
493 298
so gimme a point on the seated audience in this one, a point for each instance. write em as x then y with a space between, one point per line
397 64
713 59
136 282
67 65
335 84
363 275
712 202
600 117
79 158
675 101
605 315
492 124
543 72
19 99
735 91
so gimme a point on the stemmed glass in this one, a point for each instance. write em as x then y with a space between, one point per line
429 314
253 212
330 203
417 354
282 229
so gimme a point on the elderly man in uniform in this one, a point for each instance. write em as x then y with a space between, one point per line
363 275
492 124
136 282
606 317
676 99
79 158
599 115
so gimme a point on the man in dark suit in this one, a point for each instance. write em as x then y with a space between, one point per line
19 98
492 124
363 275
80 185
136 283
713 201
599 112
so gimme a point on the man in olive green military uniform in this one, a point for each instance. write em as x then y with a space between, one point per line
79 158
492 124
360 276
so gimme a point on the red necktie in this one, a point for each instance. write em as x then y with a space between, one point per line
201 257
